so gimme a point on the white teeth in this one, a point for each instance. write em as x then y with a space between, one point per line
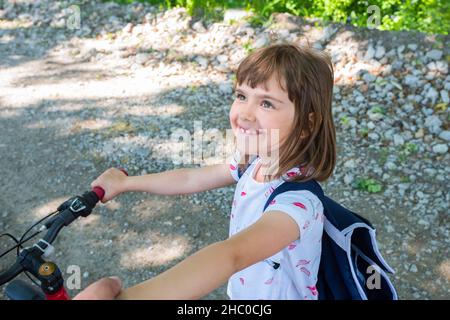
246 131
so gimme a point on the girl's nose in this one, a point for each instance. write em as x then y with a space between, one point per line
247 113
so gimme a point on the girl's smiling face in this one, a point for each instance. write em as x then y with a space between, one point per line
261 117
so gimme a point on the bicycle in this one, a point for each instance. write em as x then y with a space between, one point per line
32 259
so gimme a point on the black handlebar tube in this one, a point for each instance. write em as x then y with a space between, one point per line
11 273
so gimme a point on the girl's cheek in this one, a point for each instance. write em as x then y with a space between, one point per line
233 116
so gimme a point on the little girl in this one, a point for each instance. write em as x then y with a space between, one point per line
273 253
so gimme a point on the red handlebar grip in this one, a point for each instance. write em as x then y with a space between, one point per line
99 192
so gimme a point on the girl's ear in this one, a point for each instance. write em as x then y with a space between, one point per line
311 122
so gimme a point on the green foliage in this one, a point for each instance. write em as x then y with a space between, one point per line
378 109
429 16
368 184
364 132
407 150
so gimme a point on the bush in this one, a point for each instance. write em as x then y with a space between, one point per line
430 16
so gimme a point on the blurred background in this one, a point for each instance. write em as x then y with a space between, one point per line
89 85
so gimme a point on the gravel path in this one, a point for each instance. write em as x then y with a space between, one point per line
76 102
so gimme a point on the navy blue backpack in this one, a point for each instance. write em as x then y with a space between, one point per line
351 266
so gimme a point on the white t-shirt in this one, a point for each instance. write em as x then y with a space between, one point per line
296 275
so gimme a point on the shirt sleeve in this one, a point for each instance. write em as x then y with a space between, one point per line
303 207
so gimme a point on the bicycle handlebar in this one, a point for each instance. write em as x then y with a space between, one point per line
70 210
11 273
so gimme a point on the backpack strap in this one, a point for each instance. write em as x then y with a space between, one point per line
311 185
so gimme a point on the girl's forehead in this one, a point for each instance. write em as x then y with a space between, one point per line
270 85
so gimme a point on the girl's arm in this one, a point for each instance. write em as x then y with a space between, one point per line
182 181
172 182
210 267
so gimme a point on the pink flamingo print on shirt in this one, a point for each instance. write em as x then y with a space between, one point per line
291 246
302 262
272 202
242 280
313 290
299 204
268 192
305 271
232 167
269 281
243 193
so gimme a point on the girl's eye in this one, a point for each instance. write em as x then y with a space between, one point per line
240 96
267 105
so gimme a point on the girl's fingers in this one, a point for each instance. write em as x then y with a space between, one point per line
103 289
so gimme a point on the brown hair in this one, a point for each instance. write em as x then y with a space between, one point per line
308 77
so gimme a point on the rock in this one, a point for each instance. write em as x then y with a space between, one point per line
398 140
235 15
444 96
283 33
370 53
430 172
286 21
226 88
434 54
348 179
411 81
436 68
261 41
351 164
142 58
408 108
397 65
128 28
368 77
317 45
440 148
328 32
412 47
222 58
433 123
413 268
375 116
390 165
432 95
199 27
374 136
445 135
202 61
143 153
419 133
380 51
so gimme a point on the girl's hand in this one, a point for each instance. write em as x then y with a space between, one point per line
103 289
112 181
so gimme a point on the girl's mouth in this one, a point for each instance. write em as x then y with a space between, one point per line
248 132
